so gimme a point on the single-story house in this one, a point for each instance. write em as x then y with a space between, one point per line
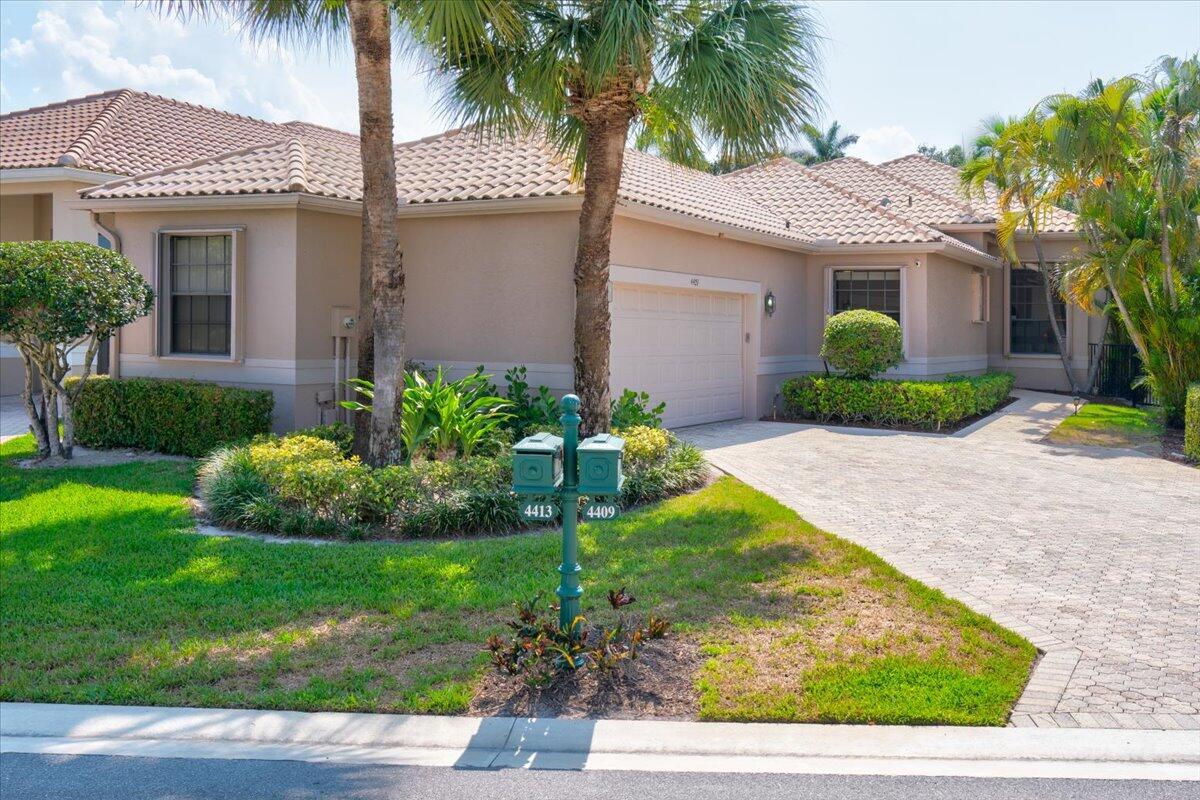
249 232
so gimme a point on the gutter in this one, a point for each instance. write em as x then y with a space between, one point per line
114 345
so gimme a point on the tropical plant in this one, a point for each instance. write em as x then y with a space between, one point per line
633 408
823 145
55 298
370 26
679 73
450 418
1125 154
1013 154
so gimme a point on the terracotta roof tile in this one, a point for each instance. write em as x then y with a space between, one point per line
943 179
129 133
908 199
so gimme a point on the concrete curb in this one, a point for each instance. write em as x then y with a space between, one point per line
506 742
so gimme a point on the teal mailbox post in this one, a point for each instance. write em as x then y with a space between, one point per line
551 473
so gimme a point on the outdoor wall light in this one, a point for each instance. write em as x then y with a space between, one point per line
769 303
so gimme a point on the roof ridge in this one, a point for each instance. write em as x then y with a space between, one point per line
915 227
185 165
79 148
68 102
297 166
759 165
913 185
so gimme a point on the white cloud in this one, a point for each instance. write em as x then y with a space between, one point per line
16 50
883 144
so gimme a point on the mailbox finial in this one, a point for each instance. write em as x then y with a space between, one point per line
570 403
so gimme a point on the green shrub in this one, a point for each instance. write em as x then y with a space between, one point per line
339 433
1191 425
643 444
862 343
923 404
633 408
187 418
304 485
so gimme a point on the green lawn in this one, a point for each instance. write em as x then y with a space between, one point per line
107 598
1104 425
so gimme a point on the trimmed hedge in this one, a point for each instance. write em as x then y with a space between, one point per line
922 404
862 343
188 418
1191 424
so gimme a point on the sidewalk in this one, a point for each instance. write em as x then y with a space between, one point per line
505 742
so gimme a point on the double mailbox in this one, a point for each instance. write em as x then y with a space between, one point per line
538 465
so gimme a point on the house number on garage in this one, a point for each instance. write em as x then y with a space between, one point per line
695 281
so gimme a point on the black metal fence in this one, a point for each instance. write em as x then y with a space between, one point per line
1120 366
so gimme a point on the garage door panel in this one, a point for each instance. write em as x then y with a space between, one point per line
682 346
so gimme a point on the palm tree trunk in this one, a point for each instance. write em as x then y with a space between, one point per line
1059 336
605 149
370 33
1165 249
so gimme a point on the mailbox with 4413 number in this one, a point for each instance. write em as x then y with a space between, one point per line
537 509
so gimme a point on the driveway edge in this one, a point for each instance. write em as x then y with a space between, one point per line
506 742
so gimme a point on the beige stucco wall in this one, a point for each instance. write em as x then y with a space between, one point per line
65 224
954 341
266 304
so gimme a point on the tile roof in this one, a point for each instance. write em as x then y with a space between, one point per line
824 209
908 199
455 166
129 133
291 165
943 179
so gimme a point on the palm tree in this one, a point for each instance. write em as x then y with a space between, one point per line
1011 154
825 145
585 73
381 272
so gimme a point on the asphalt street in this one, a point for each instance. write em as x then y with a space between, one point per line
40 777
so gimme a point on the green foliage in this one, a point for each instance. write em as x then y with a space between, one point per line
339 433
531 411
922 404
445 418
823 145
643 444
633 408
862 343
305 485
738 74
680 469
952 155
56 297
1191 428
187 418
59 292
541 652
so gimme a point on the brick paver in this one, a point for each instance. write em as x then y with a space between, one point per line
1091 553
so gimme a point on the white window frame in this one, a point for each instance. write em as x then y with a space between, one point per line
162 290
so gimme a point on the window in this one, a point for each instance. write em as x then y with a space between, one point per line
1029 319
199 279
875 289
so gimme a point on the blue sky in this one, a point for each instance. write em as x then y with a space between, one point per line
897 73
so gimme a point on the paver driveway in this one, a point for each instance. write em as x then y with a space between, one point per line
1093 554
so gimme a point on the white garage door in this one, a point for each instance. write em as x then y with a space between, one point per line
682 346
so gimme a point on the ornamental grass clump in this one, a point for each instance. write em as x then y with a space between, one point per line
862 343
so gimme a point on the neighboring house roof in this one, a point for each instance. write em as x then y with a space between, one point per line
129 133
908 199
944 179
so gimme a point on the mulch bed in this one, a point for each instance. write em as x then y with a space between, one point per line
954 427
658 684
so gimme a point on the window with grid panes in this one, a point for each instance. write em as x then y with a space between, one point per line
200 278
1029 319
872 289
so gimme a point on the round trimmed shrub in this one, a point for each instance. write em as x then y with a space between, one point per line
862 343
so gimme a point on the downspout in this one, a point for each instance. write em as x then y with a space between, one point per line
114 353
